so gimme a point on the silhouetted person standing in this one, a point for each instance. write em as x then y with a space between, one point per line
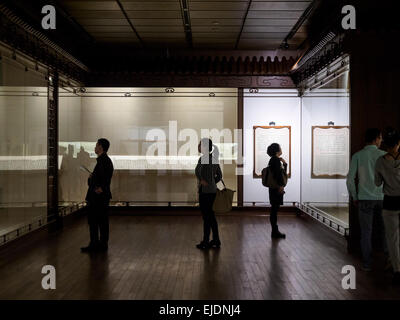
98 198
366 195
278 168
387 172
208 173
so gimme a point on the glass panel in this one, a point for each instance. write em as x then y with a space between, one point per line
325 149
23 147
271 108
72 180
142 123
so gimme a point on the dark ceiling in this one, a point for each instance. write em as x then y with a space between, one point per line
87 27
227 37
229 24
117 31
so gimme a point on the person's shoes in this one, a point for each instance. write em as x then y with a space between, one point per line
203 245
215 244
396 278
88 249
277 235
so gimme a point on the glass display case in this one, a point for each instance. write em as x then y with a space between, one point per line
326 149
317 122
154 133
23 147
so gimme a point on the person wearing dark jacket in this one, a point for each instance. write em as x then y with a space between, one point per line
208 173
278 168
98 198
387 173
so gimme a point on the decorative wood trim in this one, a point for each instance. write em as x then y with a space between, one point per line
319 57
22 37
168 80
325 176
255 175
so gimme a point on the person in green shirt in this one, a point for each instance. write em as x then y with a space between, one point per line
366 195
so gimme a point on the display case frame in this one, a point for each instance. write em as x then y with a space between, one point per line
255 175
324 176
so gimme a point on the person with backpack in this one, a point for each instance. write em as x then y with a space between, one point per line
208 173
275 178
387 172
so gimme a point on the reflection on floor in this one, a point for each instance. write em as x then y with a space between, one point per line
12 218
340 213
155 258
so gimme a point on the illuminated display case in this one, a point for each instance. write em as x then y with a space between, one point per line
23 147
320 146
154 136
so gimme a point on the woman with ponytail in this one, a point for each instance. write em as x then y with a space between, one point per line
208 173
278 169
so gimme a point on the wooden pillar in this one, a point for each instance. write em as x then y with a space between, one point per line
240 148
55 222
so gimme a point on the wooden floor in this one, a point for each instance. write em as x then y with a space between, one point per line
155 258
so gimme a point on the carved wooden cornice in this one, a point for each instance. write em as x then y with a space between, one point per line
165 80
200 65
320 58
22 37
194 70
199 71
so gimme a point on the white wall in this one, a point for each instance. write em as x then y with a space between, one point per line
301 114
283 110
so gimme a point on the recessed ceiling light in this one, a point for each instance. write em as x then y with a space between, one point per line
215 23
